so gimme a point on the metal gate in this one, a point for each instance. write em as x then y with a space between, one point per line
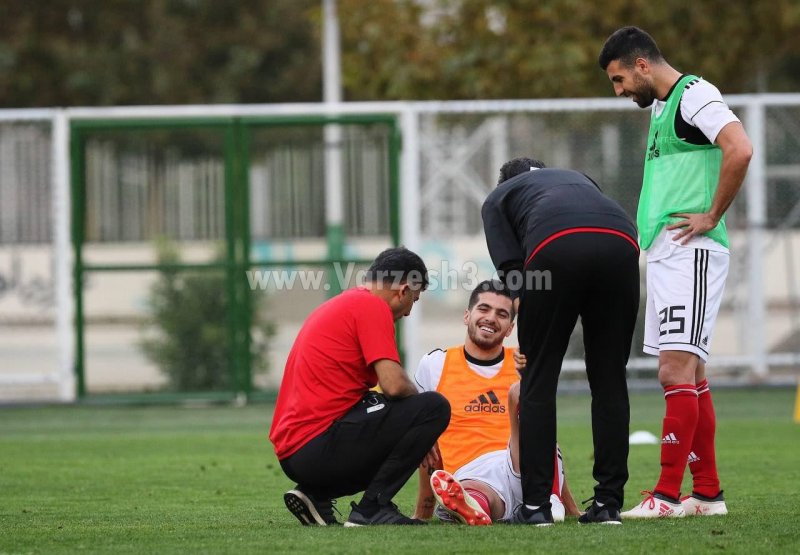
231 195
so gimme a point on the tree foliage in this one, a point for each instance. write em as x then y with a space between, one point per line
101 52
116 52
465 49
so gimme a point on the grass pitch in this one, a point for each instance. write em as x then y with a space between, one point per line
205 480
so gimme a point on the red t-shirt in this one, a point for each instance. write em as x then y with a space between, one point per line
330 366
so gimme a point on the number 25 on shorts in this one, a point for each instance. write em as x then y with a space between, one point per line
671 315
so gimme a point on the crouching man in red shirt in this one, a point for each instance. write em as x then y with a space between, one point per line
332 435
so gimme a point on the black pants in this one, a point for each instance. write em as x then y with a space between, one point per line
374 448
594 276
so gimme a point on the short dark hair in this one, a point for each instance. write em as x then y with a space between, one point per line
517 166
490 286
627 44
398 265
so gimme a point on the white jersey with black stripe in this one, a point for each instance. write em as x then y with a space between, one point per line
702 107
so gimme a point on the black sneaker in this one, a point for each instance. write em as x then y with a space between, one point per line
309 510
387 514
607 514
543 516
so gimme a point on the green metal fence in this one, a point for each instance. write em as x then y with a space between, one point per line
121 199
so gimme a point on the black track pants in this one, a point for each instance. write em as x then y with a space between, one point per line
375 447
594 276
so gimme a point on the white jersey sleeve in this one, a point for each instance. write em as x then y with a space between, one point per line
429 371
703 107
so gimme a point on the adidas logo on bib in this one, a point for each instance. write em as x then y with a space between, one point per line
486 402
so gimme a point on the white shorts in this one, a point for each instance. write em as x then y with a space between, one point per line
684 292
496 471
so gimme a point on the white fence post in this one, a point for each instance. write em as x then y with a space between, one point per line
756 220
62 279
410 208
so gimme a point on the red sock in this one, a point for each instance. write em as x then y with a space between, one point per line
481 498
703 458
680 422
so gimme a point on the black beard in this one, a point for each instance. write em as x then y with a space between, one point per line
485 344
645 97
645 102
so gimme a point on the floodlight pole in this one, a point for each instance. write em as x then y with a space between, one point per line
332 96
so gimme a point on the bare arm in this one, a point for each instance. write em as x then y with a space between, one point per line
392 379
426 502
736 154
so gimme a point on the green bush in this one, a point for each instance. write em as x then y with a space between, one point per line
186 333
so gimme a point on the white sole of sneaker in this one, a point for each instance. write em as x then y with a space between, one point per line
632 515
301 507
645 517
353 525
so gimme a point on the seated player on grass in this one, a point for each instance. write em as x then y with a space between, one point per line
477 478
